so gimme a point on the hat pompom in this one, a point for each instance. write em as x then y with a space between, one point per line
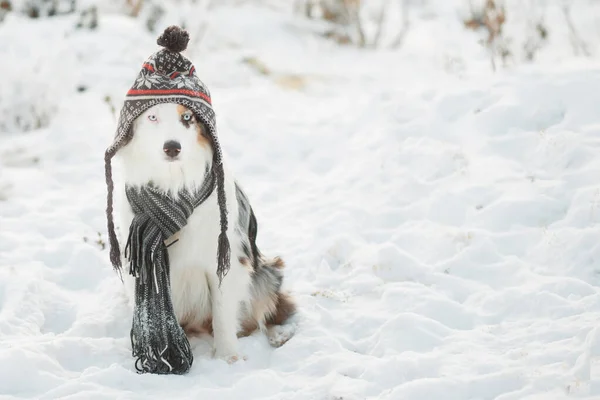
174 39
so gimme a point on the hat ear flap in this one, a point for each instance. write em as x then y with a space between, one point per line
115 251
129 134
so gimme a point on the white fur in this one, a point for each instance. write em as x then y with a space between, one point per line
194 282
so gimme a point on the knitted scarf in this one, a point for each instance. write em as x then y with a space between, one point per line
159 343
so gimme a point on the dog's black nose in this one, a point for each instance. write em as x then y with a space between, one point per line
172 148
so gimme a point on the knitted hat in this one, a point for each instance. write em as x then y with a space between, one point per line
168 77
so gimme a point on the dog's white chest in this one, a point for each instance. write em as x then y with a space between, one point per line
195 245
192 257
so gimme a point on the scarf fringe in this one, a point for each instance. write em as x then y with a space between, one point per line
174 357
158 342
139 256
168 361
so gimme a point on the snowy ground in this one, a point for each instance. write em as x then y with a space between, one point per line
441 226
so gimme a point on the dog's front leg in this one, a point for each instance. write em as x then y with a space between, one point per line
226 302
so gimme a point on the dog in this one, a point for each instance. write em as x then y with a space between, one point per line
171 149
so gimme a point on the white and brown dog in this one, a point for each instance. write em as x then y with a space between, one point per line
170 147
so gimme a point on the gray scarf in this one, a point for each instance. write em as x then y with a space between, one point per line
159 343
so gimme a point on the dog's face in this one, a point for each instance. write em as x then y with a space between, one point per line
170 146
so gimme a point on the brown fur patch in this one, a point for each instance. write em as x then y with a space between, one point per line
264 308
193 327
278 263
273 311
245 261
201 136
206 328
196 328
248 326
181 109
285 308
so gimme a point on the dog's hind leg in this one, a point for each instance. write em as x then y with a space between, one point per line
271 308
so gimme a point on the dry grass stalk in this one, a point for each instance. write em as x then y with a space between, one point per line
492 19
257 65
5 8
344 14
405 26
136 6
285 81
578 43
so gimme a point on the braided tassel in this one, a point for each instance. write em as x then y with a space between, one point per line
223 248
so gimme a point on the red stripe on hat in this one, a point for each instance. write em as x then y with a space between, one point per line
163 92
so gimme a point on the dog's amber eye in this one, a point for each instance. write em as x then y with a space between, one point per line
152 117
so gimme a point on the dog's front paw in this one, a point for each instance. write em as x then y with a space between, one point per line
227 353
229 357
236 358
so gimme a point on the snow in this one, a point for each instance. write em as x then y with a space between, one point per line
440 222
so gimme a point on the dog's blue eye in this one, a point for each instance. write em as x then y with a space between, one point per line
187 117
152 117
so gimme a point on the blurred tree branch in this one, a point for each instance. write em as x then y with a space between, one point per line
576 40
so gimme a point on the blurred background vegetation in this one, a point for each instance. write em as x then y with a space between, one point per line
513 30
495 35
